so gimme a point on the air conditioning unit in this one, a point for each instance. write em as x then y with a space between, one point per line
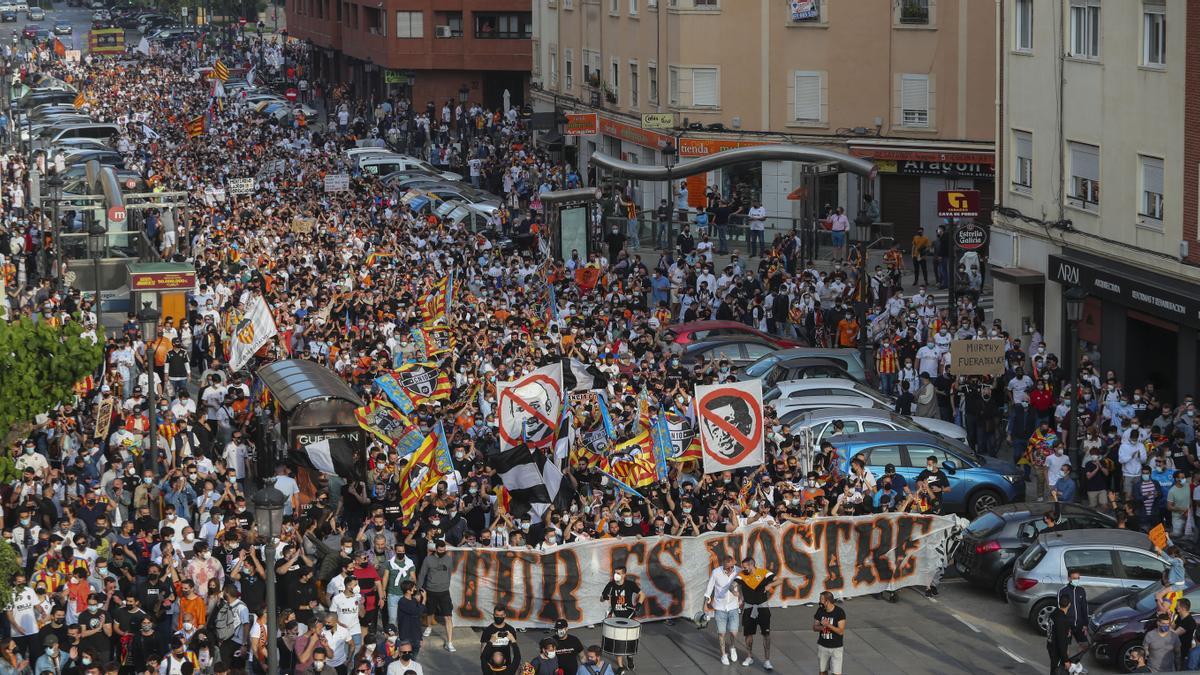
443 31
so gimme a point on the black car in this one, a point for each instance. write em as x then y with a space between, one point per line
991 544
8 15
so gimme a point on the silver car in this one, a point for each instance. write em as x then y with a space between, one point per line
858 419
1111 563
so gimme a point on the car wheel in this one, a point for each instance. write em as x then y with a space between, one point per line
982 502
1002 583
1041 616
1123 660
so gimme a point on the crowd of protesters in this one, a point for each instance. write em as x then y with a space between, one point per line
133 563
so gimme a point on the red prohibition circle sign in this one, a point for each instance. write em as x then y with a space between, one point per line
748 443
509 394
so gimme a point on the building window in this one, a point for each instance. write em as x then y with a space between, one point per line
1154 34
1084 190
652 76
806 11
673 85
614 84
568 4
614 6
1023 23
410 25
914 12
568 68
1085 29
1150 206
448 24
553 66
704 88
914 100
807 97
633 85
633 7
504 25
1022 168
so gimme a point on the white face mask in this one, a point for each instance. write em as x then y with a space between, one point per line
550 654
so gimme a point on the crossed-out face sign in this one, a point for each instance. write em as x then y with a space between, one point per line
529 408
730 417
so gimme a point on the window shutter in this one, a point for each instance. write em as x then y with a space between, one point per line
1152 175
1085 161
914 92
1024 143
808 97
704 87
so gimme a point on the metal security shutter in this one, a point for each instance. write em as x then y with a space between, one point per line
704 86
1152 175
1024 142
914 100
808 97
1085 161
900 204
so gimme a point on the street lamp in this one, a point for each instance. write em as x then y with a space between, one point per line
670 153
97 242
148 317
1073 299
55 183
268 506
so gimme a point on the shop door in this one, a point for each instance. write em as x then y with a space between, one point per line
1151 349
901 206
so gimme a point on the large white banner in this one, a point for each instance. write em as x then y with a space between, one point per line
849 556
731 424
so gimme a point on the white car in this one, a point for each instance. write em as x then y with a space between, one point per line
859 419
382 165
823 386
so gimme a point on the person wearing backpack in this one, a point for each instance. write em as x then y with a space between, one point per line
231 626
594 664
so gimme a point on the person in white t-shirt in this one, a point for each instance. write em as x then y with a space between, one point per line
348 606
756 225
339 641
22 613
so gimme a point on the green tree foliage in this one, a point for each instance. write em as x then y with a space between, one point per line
39 367
9 566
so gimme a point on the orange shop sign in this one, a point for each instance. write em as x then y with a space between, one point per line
635 135
582 124
700 147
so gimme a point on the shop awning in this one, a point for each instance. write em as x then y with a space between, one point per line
1019 275
295 381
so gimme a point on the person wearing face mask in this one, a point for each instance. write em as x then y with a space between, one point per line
434 579
1162 646
546 662
405 661
624 596
1147 497
1058 638
569 649
52 659
1132 456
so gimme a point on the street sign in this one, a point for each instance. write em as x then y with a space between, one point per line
958 203
658 120
970 237
292 94
116 215
241 186
241 21
337 182
582 124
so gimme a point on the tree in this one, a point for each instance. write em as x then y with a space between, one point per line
40 365
9 566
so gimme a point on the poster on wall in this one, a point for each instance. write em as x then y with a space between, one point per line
804 10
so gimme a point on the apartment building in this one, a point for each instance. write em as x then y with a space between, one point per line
426 50
1097 156
907 83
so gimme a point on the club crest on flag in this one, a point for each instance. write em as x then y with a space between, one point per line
423 381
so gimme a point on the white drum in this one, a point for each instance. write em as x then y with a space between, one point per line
620 637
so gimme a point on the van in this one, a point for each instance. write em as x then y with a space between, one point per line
385 164
94 130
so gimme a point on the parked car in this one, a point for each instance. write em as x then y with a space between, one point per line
382 165
7 16
858 419
1111 563
36 14
777 367
805 368
993 541
63 28
1119 625
977 484
817 403
739 351
828 386
695 331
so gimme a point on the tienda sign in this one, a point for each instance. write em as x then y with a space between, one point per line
582 124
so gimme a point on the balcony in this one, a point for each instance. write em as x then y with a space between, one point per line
503 25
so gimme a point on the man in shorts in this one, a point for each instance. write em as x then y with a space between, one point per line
755 584
829 623
434 577
721 598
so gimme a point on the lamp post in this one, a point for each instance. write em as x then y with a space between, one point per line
148 318
97 241
670 155
55 183
268 506
1073 299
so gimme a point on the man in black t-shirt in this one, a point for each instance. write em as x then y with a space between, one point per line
937 481
756 584
570 649
623 595
829 622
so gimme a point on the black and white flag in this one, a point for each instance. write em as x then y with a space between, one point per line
579 376
533 483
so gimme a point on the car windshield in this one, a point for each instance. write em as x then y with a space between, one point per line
1144 600
761 366
985 525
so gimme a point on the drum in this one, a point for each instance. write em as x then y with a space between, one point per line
620 637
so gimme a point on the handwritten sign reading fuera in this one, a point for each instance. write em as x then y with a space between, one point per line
977 357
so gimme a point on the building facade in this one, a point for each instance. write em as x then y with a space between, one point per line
1096 173
427 50
908 84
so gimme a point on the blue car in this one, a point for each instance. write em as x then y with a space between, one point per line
977 483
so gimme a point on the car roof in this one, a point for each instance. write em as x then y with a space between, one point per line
817 383
799 352
709 325
896 436
814 416
1095 537
812 361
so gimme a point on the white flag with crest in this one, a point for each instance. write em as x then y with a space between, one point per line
252 331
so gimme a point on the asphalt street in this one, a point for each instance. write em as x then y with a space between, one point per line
80 19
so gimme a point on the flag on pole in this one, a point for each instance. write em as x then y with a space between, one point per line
423 471
395 393
533 482
253 331
220 71
423 382
632 460
80 100
195 126
438 303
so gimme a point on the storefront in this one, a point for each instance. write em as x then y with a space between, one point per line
1145 325
911 177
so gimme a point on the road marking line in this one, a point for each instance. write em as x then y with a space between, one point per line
1011 655
966 623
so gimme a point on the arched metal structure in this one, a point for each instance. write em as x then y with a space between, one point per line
755 153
